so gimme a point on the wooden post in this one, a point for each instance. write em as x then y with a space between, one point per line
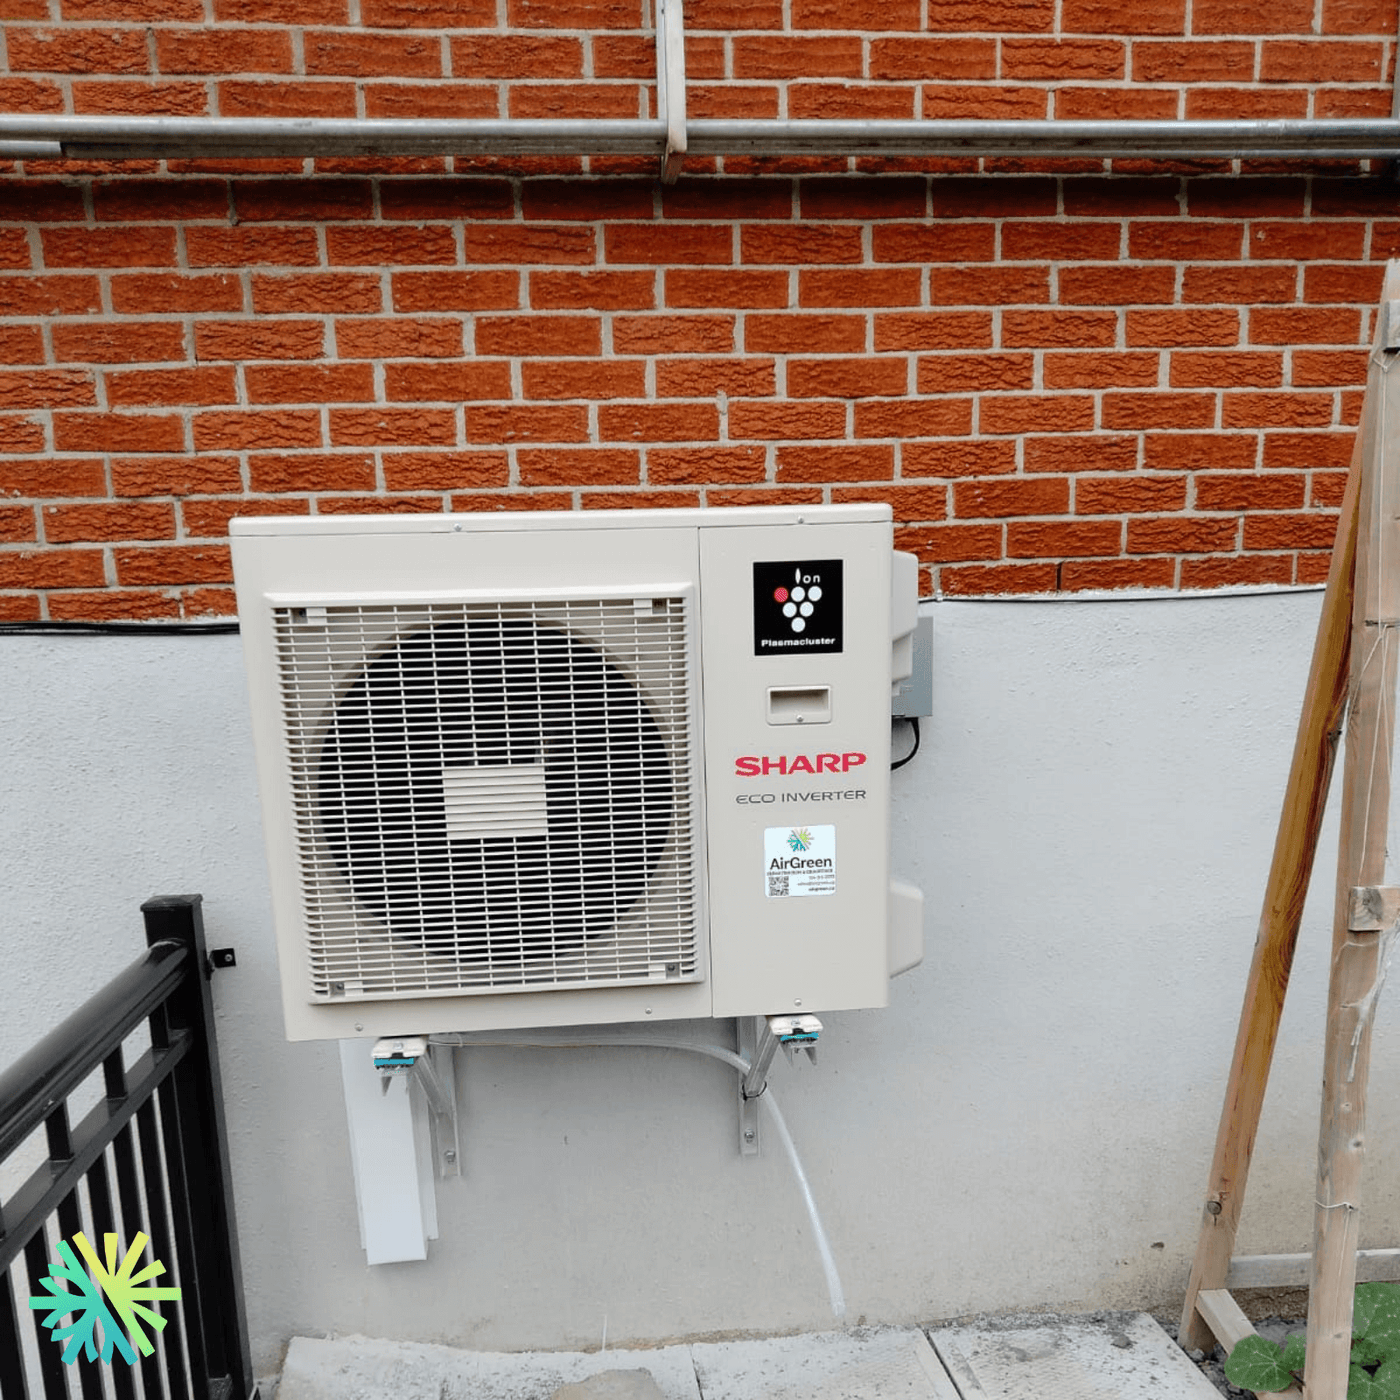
1357 932
1304 798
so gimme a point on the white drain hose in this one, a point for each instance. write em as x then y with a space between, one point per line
714 1052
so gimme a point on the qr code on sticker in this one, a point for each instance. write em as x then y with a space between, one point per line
777 884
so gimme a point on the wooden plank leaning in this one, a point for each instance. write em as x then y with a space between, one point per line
1305 797
1365 922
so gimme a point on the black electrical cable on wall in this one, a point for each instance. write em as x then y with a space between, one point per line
116 629
900 764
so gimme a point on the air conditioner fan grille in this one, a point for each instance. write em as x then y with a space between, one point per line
492 797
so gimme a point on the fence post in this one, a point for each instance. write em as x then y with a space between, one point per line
197 1151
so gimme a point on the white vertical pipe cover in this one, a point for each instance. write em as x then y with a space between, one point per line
392 1160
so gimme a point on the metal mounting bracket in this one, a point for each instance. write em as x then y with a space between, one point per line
751 1030
759 1040
670 85
433 1069
437 1073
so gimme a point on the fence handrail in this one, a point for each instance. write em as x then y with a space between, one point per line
35 1084
148 1160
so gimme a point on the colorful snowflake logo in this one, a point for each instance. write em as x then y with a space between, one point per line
109 1297
800 839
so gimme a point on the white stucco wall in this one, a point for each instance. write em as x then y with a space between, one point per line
1029 1124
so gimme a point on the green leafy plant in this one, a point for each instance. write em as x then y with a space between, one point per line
1257 1364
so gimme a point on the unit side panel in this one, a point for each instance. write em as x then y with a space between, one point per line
796 681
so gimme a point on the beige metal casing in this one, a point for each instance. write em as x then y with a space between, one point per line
817 953
811 949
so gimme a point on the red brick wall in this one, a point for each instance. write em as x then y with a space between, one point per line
1067 377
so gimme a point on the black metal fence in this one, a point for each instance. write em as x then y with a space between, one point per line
150 1156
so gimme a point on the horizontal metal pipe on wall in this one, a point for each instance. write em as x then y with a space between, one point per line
37 136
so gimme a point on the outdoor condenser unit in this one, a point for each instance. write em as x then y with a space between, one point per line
556 769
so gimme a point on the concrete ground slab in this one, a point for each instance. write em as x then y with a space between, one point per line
1106 1356
361 1368
867 1363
